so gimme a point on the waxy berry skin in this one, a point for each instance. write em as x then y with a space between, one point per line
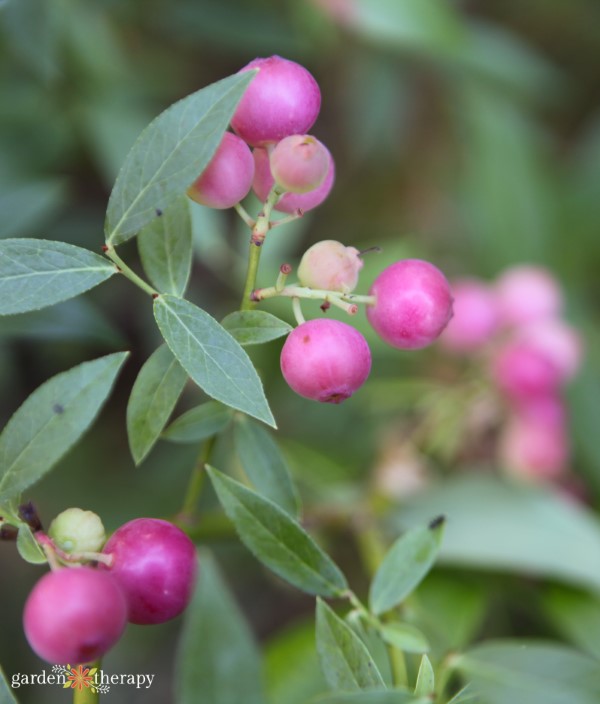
155 564
228 177
413 304
282 99
331 266
74 615
325 360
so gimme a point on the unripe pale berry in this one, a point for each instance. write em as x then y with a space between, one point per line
74 615
282 99
325 360
331 266
527 293
154 563
413 304
475 318
299 163
228 177
289 202
76 530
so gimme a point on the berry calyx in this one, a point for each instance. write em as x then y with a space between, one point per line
325 360
413 304
74 615
330 266
299 163
282 99
76 531
228 177
154 562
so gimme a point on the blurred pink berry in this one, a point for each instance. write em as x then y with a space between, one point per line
325 360
154 563
475 317
330 266
522 371
527 293
299 163
289 202
413 306
74 615
228 177
558 342
282 99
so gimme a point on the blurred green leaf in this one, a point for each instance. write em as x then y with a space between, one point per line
499 525
391 696
277 540
531 673
6 692
405 565
51 420
466 694
217 660
39 273
212 358
153 397
199 423
253 327
576 615
169 154
264 465
425 679
26 206
405 637
345 660
165 247
28 547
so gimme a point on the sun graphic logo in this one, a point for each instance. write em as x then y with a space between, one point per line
80 678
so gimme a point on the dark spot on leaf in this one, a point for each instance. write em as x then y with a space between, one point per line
57 408
158 212
437 522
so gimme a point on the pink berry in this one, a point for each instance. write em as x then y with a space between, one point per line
299 163
556 340
282 99
413 306
331 266
74 615
289 202
475 317
522 371
228 177
155 564
325 360
527 293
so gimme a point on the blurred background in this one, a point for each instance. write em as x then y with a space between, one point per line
464 132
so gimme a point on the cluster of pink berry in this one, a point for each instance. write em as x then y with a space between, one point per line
529 353
145 574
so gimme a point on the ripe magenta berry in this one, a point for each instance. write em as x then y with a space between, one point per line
527 293
475 318
558 342
228 177
325 360
330 266
299 163
154 563
289 202
413 306
282 99
74 615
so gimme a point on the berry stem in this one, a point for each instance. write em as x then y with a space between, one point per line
345 301
87 695
185 517
110 252
296 307
245 215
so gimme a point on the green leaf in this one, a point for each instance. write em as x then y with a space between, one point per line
264 465
391 696
576 615
505 672
28 547
51 420
407 562
165 247
277 540
6 692
404 637
170 154
154 394
425 678
39 273
212 358
345 660
218 660
199 423
496 524
254 327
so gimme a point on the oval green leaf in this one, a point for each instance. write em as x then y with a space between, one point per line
51 420
576 615
277 540
264 465
404 637
165 247
169 155
254 327
407 562
199 423
425 679
211 357
29 548
154 394
6 692
39 273
391 696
